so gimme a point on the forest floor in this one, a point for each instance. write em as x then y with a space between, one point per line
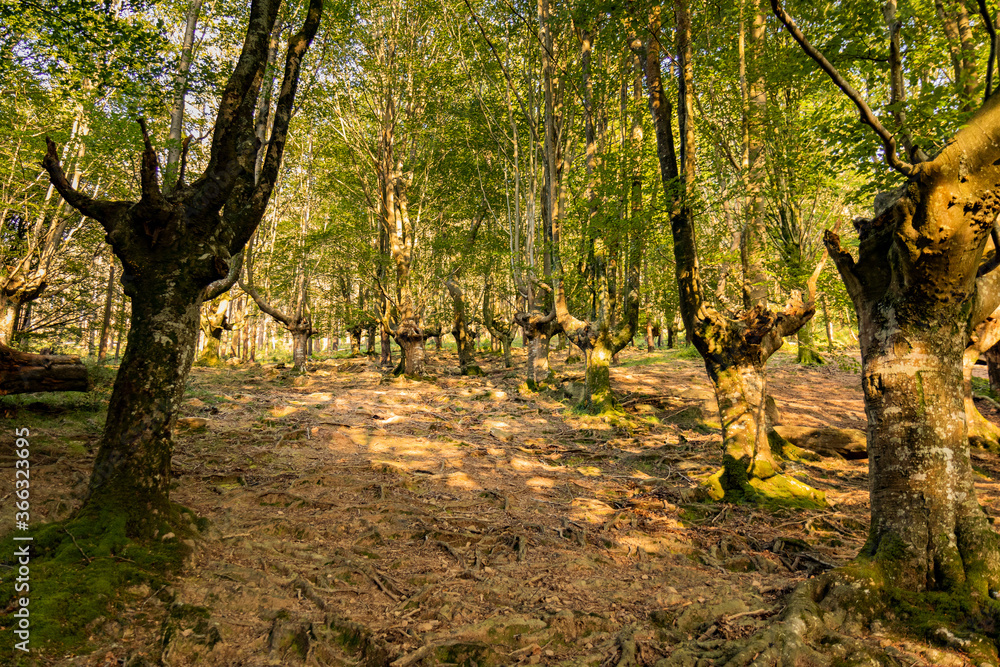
357 518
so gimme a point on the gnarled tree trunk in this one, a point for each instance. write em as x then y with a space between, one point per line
538 331
173 246
735 351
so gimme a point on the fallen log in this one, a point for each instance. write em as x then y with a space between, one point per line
24 372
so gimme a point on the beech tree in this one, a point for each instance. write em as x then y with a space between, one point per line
735 350
172 247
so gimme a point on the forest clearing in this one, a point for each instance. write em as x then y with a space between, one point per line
358 518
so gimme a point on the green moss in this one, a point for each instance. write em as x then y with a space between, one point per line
734 484
81 570
783 449
786 491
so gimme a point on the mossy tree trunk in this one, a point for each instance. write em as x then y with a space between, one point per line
808 355
131 474
173 247
212 325
650 341
918 295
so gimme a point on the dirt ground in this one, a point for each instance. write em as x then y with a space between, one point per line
360 519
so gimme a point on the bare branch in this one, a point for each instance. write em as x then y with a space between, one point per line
867 116
150 166
102 211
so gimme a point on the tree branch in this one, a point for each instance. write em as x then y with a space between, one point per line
298 44
150 166
988 22
100 210
867 116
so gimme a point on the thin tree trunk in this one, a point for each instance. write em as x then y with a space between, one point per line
180 92
102 348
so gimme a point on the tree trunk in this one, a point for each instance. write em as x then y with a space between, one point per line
300 347
538 359
23 373
385 349
109 296
598 376
808 355
210 353
735 350
649 336
411 342
8 319
180 92
927 527
748 465
131 475
828 325
355 335
992 356
917 301
460 330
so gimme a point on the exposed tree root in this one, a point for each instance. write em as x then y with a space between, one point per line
836 619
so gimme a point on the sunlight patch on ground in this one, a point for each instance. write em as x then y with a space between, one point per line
282 410
539 483
522 465
462 481
590 510
651 544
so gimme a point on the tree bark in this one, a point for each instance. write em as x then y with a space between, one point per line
8 319
212 325
411 341
131 476
538 330
300 346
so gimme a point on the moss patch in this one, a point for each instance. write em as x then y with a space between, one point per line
80 571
